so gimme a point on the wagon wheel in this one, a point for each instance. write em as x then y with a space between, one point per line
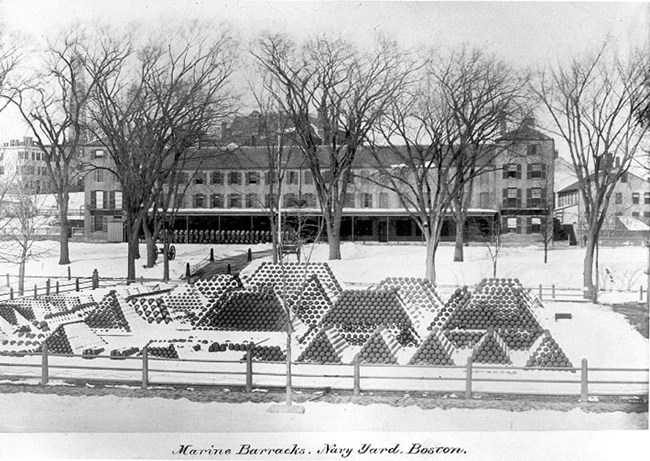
172 253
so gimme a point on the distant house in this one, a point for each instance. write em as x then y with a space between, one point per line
628 216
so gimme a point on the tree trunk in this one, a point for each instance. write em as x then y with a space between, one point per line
432 247
151 244
460 239
133 229
334 235
588 270
64 233
289 386
165 258
21 273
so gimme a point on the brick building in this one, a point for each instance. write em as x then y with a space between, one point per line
227 189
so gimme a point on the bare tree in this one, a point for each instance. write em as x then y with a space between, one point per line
22 215
149 118
593 103
53 101
481 93
334 95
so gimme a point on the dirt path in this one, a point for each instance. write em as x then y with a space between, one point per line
237 264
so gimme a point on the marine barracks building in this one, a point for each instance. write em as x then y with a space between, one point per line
227 189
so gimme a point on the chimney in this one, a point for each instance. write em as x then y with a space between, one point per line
529 122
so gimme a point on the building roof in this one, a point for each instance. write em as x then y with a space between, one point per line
575 186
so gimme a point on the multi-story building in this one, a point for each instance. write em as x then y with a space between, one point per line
21 163
228 189
628 215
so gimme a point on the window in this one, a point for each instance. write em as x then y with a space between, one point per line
33 156
289 200
252 177
383 200
118 199
234 178
366 200
535 226
251 200
646 198
535 197
532 149
38 156
217 177
511 224
234 200
635 214
198 201
635 198
624 177
292 177
310 199
216 201
99 175
511 170
179 201
348 202
536 171
269 177
199 178
511 197
99 223
646 214
308 177
484 199
98 153
618 198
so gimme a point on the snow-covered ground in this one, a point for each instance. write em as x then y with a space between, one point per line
80 414
622 268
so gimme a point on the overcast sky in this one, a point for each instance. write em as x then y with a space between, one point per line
526 33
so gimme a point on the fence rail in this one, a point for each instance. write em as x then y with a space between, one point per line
467 380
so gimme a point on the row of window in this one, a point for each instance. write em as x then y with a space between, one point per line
252 200
535 197
25 155
106 200
636 197
528 225
514 170
635 214
33 170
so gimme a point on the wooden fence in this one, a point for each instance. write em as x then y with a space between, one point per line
467 380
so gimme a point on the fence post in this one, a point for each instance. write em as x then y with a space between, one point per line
76 284
211 255
95 279
145 367
45 373
8 283
249 368
250 255
584 382
640 292
228 269
357 375
540 291
57 287
69 275
142 280
468 379
47 287
187 271
35 291
553 291
11 293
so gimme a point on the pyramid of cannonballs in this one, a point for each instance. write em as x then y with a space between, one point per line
436 349
76 314
311 302
289 277
419 295
381 347
108 316
267 354
187 304
548 354
246 310
153 309
491 349
215 287
326 346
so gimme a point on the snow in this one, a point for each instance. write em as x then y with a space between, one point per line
80 414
